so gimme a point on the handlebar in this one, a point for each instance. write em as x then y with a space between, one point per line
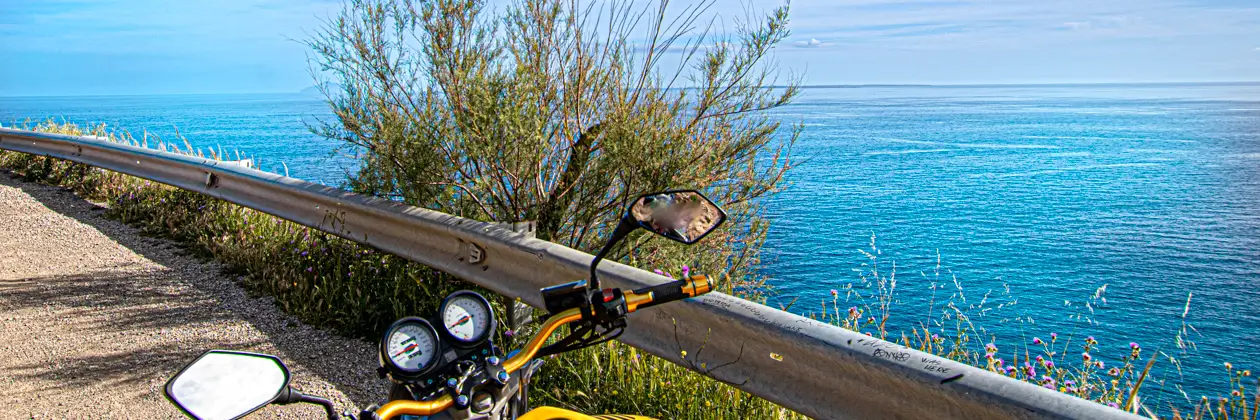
643 298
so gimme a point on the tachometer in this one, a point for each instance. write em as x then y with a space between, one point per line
410 346
467 317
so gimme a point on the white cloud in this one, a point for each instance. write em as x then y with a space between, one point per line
812 43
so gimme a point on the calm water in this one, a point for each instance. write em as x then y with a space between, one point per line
1052 192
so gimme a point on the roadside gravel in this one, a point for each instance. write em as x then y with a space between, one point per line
94 318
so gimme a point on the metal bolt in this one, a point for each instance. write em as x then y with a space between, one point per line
502 376
452 382
493 360
461 400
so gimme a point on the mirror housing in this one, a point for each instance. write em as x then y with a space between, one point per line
222 384
683 215
688 213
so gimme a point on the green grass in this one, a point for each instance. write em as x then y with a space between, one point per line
357 291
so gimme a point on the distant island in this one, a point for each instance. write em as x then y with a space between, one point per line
314 90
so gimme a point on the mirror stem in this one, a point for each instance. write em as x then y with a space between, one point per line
624 227
291 396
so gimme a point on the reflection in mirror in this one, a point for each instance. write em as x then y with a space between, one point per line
227 385
684 216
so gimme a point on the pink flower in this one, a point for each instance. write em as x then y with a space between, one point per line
1085 355
1037 341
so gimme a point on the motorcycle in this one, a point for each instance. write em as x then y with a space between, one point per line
455 371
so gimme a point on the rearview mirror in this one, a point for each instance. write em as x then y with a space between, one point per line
685 216
227 384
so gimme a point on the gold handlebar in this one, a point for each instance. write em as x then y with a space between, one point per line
695 286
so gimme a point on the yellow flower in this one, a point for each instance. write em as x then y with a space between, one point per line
707 403
1228 366
684 354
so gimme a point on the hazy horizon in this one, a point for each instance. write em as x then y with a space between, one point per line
814 86
81 47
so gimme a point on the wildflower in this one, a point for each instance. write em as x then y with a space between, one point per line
1134 346
686 270
1113 405
509 333
350 274
869 335
684 354
1236 393
870 319
1048 386
1114 372
988 356
991 348
1050 364
303 253
1071 389
658 271
1037 341
1039 359
1085 356
999 362
834 293
1053 336
1246 373
1091 340
308 269
1069 382
1229 366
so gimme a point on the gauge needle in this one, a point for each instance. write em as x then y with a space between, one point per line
406 349
461 321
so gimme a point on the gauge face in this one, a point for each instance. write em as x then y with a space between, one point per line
467 317
411 345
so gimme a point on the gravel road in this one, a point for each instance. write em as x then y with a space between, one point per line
94 318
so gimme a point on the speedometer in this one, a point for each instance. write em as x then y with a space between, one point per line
467 317
410 346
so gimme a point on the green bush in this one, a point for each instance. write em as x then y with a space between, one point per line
358 291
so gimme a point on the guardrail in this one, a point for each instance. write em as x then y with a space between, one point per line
816 369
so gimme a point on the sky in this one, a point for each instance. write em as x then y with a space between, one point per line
110 47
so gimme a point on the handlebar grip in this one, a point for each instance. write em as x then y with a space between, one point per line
676 290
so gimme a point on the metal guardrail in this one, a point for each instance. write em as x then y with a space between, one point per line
816 369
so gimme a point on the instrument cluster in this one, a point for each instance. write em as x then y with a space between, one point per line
415 352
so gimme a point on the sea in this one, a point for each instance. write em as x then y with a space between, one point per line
1129 213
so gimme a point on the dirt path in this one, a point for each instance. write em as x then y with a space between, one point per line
94 318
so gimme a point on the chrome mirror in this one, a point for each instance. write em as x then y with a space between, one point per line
227 384
684 216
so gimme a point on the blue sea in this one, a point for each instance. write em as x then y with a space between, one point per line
1034 196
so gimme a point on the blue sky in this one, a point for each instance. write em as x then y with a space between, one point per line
68 47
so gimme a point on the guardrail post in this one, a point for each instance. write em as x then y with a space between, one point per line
518 313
